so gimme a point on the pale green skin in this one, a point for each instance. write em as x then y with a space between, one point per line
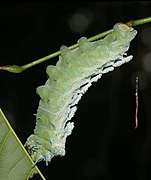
74 69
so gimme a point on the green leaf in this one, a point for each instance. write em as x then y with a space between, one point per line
15 163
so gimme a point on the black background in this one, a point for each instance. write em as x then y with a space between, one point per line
104 144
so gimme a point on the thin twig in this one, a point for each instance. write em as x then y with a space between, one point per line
19 69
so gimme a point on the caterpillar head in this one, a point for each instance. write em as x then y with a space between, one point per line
124 31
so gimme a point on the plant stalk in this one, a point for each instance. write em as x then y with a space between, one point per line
19 69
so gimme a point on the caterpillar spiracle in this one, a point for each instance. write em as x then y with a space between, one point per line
67 82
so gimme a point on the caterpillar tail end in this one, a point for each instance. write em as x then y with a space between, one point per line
47 158
37 152
41 150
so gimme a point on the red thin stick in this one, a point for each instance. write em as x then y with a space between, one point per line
136 111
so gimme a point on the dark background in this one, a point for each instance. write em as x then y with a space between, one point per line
104 144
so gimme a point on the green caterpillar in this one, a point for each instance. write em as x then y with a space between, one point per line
67 82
